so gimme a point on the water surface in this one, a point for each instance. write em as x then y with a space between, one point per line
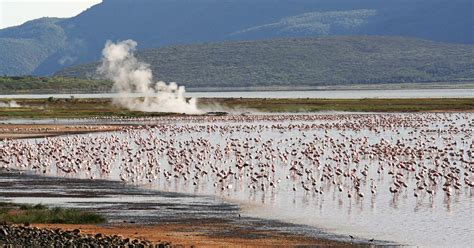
152 157
329 94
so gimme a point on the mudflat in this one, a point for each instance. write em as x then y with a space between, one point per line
158 217
200 234
47 130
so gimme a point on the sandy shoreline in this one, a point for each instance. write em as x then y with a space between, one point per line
18 131
197 235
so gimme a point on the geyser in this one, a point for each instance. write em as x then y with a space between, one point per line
131 77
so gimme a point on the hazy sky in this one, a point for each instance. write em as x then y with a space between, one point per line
16 12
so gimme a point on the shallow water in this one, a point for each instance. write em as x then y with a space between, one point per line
329 94
437 220
121 203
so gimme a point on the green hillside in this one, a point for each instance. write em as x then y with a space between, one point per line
30 84
290 62
24 48
44 46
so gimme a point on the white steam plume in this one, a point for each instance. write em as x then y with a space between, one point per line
10 104
132 76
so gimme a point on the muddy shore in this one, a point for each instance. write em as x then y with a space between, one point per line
18 131
180 219
30 236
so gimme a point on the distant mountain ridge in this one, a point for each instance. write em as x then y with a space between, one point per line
298 62
44 46
313 23
25 47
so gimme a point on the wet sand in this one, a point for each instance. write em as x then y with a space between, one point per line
201 234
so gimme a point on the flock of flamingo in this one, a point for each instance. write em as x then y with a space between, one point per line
354 155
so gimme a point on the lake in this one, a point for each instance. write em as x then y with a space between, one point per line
331 94
335 172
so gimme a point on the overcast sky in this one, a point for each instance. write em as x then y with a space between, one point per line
16 12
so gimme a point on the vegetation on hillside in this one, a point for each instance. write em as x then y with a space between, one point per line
44 46
24 48
30 84
296 62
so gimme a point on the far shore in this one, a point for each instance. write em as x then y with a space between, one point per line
345 87
69 108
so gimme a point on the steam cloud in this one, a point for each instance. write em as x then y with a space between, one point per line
10 104
132 76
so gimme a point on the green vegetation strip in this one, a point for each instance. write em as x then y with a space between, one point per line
24 213
348 105
38 85
87 108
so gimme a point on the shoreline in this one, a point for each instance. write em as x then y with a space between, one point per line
24 131
199 234
224 228
103 108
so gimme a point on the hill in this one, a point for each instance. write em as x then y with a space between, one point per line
44 46
305 62
52 85
23 48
